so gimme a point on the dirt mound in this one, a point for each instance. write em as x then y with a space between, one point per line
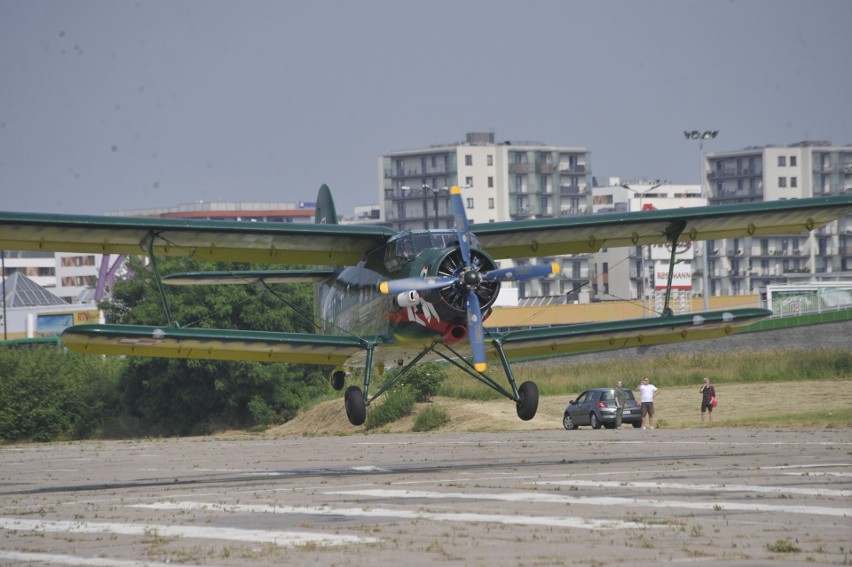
329 418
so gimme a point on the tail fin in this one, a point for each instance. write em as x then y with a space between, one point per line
325 211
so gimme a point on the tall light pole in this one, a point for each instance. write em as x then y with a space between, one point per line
701 136
3 269
426 190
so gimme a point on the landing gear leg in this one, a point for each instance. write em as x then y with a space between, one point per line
355 401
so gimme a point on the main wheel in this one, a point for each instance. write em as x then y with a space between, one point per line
567 423
594 421
356 409
337 379
528 404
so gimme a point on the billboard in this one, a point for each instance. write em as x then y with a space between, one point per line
52 324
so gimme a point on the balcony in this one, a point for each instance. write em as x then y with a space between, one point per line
571 190
568 168
519 168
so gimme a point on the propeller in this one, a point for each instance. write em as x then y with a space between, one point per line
468 279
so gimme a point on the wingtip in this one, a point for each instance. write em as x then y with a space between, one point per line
555 267
454 190
383 287
481 367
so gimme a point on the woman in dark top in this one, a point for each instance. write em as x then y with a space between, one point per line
708 396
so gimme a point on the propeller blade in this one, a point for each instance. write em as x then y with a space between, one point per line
462 226
415 284
521 273
475 332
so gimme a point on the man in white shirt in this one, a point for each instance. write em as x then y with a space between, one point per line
647 391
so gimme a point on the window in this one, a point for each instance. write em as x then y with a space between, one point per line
468 159
490 159
434 161
782 161
792 161
490 181
470 202
794 182
490 202
468 181
782 182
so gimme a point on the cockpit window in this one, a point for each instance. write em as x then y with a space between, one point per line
405 247
400 251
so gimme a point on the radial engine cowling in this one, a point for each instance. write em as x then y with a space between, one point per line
451 264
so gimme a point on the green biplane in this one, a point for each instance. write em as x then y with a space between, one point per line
386 299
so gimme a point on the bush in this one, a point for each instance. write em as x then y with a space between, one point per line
431 418
425 380
398 403
47 394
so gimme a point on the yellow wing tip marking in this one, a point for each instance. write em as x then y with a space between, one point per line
454 190
481 367
383 287
554 267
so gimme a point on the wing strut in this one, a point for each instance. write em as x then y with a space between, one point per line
673 232
150 249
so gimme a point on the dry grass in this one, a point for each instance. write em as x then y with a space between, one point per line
811 403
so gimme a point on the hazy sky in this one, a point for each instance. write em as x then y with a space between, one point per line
108 105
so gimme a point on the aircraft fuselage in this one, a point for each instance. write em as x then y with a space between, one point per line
351 303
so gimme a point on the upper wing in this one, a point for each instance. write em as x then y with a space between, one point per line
589 337
590 233
231 241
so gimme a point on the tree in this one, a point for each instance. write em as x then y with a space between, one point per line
177 396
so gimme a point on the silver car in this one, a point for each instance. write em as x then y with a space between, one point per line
596 407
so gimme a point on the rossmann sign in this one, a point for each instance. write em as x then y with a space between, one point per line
681 279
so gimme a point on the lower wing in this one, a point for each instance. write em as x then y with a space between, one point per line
349 351
213 344
590 337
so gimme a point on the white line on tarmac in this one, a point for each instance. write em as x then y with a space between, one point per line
599 501
282 538
57 559
721 487
508 519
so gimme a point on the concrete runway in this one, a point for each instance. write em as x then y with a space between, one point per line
629 497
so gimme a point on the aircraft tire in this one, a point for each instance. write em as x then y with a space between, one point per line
528 404
356 409
337 379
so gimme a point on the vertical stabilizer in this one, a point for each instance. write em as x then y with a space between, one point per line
325 211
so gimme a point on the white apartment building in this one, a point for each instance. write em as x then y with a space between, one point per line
500 181
66 276
805 169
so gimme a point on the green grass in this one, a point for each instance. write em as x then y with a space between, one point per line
430 418
397 403
560 377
